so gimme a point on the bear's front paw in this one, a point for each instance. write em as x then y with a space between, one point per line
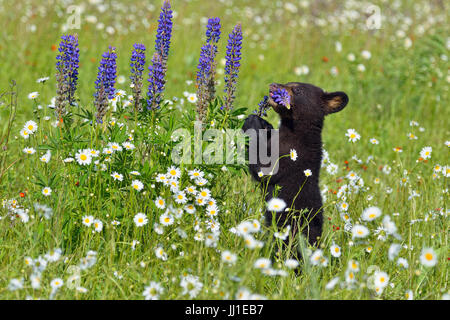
255 122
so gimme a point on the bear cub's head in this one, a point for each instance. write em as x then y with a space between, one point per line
307 101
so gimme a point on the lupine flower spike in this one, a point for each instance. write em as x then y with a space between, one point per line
281 96
164 33
157 82
137 69
206 68
232 65
263 106
106 78
66 72
158 67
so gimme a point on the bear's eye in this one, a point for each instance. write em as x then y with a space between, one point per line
297 90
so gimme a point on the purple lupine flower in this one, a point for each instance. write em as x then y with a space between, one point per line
281 96
156 78
164 32
205 79
207 54
207 68
263 105
213 30
232 65
137 69
67 63
107 72
137 62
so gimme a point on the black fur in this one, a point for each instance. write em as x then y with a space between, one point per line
300 129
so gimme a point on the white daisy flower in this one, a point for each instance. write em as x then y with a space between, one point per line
316 257
117 176
335 251
291 263
115 146
180 197
425 153
359 231
371 213
107 151
173 173
228 257
201 182
137 185
381 279
128 145
160 253
152 291
98 225
161 178
307 173
25 133
276 204
192 98
204 193
140 219
47 191
195 174
428 257
88 220
31 126
29 150
293 155
166 219
33 95
352 135
212 211
262 263
190 208
160 203
83 157
56 283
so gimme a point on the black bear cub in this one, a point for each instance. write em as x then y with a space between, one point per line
300 130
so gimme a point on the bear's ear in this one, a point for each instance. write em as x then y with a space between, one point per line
335 101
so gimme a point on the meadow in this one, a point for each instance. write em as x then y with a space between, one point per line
92 206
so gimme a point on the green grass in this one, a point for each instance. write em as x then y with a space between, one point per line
398 85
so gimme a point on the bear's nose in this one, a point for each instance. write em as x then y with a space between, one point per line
273 86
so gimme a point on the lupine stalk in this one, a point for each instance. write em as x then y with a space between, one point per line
66 72
203 80
164 33
156 82
232 65
137 69
101 103
106 79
